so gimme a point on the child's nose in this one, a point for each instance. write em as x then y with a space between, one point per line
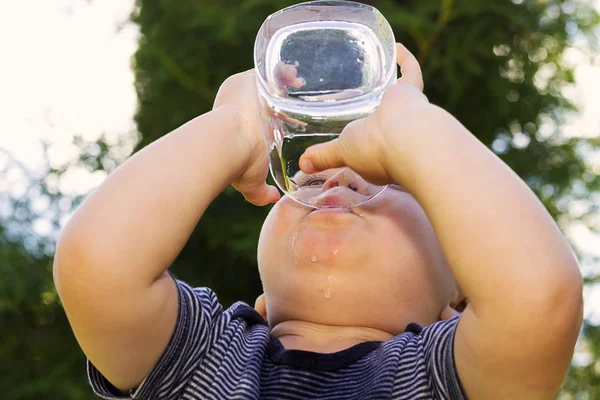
348 178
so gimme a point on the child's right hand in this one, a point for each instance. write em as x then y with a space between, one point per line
239 91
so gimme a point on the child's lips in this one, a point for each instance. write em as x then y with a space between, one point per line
333 202
336 206
338 197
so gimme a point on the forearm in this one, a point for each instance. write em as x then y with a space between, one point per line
502 245
136 223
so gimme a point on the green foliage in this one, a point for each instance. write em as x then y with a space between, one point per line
39 356
497 66
586 378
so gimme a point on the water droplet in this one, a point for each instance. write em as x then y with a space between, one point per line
313 255
294 248
335 252
328 292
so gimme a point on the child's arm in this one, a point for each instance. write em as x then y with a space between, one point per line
516 338
112 256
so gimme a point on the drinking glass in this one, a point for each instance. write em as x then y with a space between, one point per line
319 66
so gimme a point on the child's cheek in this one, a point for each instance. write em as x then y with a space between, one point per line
280 224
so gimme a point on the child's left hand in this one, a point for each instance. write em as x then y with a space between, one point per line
366 145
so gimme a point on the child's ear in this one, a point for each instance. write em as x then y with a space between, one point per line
261 306
457 304
461 305
448 312
459 301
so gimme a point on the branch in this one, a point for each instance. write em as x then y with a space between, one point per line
443 19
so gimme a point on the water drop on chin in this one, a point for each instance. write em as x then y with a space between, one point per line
327 292
294 257
313 255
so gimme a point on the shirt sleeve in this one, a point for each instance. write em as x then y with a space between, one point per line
200 315
439 354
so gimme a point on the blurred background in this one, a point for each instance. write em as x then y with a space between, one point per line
84 84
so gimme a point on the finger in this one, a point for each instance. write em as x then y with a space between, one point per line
289 73
263 195
409 67
286 73
297 83
321 156
289 77
330 154
292 121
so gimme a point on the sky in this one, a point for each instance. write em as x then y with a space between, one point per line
66 70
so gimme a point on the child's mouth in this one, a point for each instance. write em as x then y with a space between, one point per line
338 197
333 202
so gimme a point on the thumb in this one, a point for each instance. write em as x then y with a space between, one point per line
320 157
332 154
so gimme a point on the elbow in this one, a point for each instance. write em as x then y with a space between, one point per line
572 290
557 303
65 263
568 291
86 267
73 269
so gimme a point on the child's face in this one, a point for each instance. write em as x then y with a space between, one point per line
378 265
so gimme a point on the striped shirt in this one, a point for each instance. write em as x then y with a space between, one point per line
231 354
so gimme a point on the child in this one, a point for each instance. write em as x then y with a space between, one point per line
346 292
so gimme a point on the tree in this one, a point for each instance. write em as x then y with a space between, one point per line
496 65
39 356
38 353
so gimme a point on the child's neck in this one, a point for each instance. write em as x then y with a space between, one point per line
301 335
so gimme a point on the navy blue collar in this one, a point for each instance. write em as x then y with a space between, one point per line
308 359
